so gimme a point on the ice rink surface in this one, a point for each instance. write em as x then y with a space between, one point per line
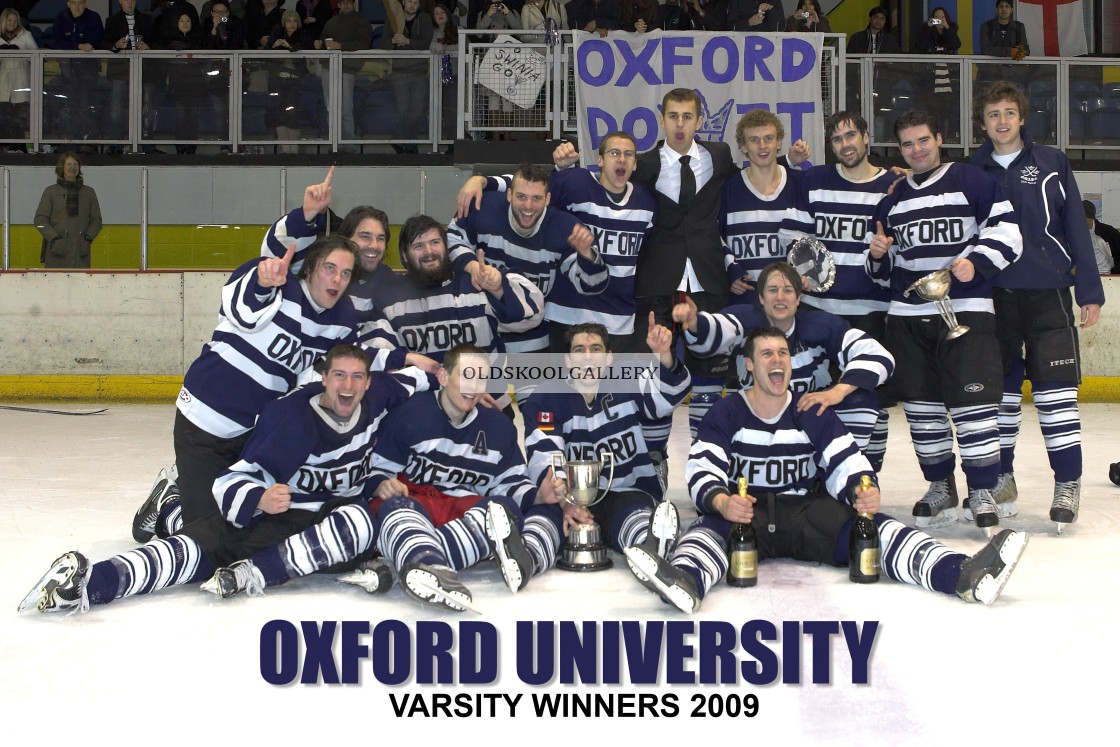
182 666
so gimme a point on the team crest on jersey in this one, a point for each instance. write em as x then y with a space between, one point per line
184 395
546 422
1029 175
480 444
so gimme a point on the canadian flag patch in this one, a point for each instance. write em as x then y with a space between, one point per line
545 421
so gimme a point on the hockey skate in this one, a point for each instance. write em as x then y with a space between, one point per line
508 548
983 507
938 506
235 578
144 523
1005 494
673 585
373 575
664 524
62 588
1067 499
984 575
435 584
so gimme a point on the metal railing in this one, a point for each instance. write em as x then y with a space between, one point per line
342 101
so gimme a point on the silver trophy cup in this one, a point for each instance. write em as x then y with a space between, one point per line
584 550
935 287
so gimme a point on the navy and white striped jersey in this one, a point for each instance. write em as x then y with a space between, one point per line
838 211
784 454
265 338
567 424
619 227
750 225
292 229
959 211
433 319
817 342
538 256
297 444
480 456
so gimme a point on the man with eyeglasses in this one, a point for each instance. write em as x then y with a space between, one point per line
223 31
618 212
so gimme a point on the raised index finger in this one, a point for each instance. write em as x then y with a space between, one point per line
330 175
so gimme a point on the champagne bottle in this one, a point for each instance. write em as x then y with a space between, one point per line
863 549
742 550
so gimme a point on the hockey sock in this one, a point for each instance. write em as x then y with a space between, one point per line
170 519
656 434
407 535
876 450
543 533
154 566
1060 420
705 393
978 440
702 552
860 422
634 528
343 535
1010 419
932 437
464 540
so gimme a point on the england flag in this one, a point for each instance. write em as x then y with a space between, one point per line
1055 28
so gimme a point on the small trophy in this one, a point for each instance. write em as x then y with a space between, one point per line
584 550
935 287
814 262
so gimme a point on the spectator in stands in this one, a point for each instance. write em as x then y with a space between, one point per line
78 28
15 78
445 42
1101 251
534 12
349 31
808 19
284 79
410 77
702 15
875 39
186 80
68 216
1003 37
222 30
167 14
126 29
261 20
639 15
499 110
599 16
1103 231
938 35
313 15
751 15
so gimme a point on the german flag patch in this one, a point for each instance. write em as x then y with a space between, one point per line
545 422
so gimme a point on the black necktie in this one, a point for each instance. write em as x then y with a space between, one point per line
688 182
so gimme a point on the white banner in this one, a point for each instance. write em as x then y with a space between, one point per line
621 79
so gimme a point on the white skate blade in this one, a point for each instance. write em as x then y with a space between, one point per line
368 580
990 587
664 527
499 530
644 567
422 587
946 517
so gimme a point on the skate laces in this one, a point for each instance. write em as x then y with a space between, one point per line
248 578
1067 495
937 493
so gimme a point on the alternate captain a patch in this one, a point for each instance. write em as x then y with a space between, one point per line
546 422
480 444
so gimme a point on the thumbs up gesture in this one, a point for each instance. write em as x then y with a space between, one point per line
273 271
880 242
485 277
685 314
